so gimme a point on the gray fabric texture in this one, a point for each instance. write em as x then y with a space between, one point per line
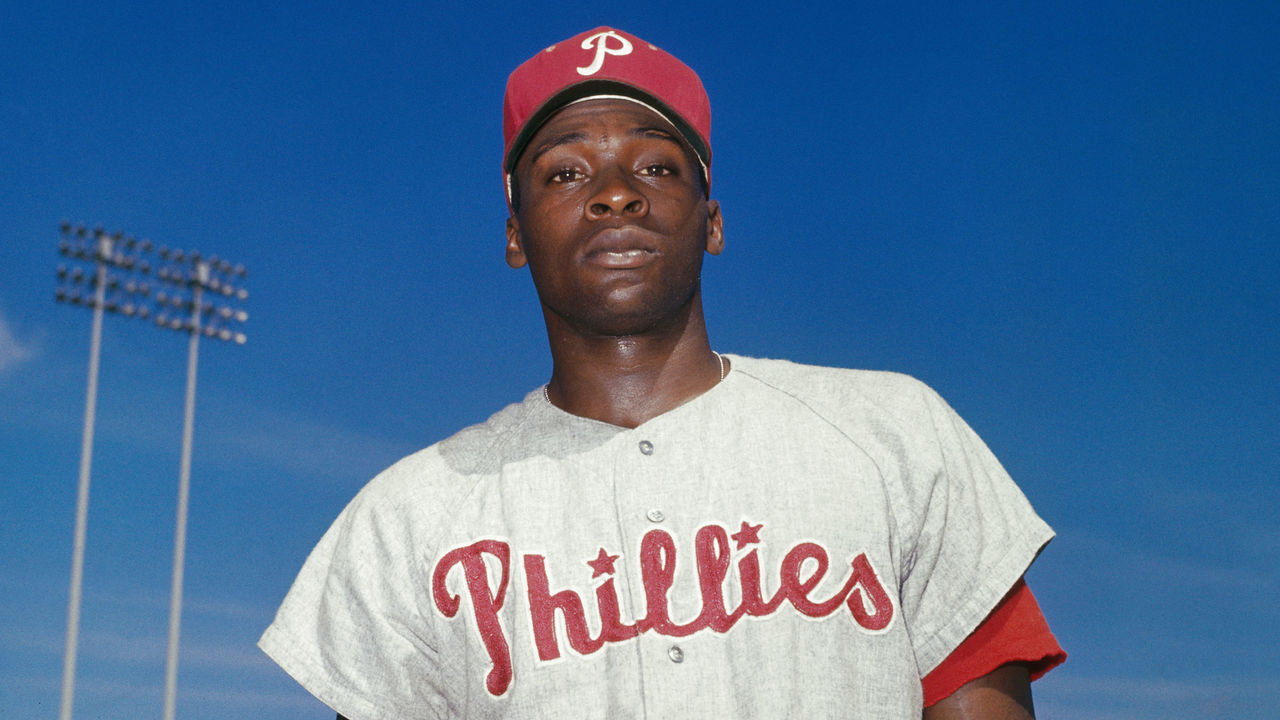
796 542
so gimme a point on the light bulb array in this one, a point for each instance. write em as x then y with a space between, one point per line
172 294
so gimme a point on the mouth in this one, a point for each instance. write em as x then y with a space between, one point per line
620 249
621 259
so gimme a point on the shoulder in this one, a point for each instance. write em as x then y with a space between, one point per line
801 378
905 428
842 395
443 475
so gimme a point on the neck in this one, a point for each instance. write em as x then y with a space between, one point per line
625 380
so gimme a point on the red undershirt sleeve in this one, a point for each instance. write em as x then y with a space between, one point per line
1015 631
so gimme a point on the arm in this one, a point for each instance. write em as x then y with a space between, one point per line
1002 694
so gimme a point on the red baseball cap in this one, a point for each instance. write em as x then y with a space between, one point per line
604 62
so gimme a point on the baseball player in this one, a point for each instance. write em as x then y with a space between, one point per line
663 530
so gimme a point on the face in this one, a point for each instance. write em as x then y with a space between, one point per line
613 221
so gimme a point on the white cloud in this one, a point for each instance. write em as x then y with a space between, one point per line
12 352
1166 572
133 646
229 610
301 445
294 699
155 601
190 693
1061 694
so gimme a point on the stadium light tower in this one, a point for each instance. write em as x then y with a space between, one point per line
118 285
192 277
107 282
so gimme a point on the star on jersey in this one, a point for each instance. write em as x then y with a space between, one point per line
748 535
602 565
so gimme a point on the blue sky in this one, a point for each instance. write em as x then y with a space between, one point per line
1063 216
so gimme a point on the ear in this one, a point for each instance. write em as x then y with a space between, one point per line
515 250
715 228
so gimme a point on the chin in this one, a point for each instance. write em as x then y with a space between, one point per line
615 321
616 325
625 311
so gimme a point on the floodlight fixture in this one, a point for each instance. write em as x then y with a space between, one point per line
115 279
188 277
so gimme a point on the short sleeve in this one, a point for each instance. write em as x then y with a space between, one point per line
351 630
972 534
1015 632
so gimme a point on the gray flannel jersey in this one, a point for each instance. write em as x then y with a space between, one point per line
796 542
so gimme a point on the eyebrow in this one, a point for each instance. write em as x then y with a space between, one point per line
554 142
572 137
654 132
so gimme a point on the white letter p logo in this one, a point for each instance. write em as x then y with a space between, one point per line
601 42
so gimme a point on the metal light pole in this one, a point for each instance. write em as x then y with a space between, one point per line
116 288
195 276
115 259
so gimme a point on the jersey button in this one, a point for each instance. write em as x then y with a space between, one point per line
655 515
676 654
646 447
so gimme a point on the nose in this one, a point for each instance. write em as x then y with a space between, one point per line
616 195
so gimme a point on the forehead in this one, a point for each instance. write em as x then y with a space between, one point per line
590 119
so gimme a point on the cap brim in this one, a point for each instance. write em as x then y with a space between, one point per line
590 89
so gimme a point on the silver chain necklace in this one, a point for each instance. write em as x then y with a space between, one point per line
724 372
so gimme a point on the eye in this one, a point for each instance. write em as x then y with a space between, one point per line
565 175
657 170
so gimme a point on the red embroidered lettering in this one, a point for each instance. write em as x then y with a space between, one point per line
484 603
543 606
800 574
612 628
657 573
753 602
881 611
712 549
797 589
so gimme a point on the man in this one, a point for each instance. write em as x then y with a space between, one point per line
663 531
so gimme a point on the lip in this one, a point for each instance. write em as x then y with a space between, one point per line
621 248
